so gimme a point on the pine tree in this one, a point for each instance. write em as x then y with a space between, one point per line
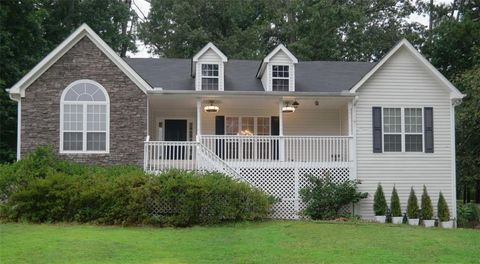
442 207
427 210
379 202
395 204
412 206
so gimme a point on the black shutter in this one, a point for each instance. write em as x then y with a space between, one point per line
428 129
220 130
377 129
275 131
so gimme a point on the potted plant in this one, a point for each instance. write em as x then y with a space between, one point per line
427 210
412 208
379 205
397 217
444 212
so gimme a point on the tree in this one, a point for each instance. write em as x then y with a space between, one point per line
412 205
379 202
395 208
427 208
442 207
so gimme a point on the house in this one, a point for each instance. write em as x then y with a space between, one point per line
270 122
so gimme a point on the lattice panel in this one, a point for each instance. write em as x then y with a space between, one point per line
285 182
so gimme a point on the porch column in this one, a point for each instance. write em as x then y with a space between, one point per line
281 144
352 124
199 119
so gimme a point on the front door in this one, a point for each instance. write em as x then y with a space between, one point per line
175 130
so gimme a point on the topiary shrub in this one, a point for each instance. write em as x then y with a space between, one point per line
442 207
61 191
412 206
427 209
324 198
395 208
379 201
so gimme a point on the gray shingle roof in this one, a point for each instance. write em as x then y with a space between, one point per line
240 75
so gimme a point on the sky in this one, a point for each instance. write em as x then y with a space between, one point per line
142 8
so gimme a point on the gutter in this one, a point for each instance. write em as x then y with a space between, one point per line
159 91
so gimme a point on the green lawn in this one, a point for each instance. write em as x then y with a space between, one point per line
264 242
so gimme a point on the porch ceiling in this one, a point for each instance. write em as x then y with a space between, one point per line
188 103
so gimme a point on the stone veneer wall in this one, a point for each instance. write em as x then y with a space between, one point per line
128 106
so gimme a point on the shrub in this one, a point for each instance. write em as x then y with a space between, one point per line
324 198
379 201
66 191
412 206
442 207
468 215
396 211
427 208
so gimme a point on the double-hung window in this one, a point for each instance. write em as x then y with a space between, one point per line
210 77
84 118
280 78
403 129
247 125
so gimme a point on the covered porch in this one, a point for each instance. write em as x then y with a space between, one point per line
249 131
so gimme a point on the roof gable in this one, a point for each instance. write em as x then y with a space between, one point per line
266 60
454 92
83 31
206 48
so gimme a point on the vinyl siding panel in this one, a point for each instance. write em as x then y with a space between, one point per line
404 82
306 122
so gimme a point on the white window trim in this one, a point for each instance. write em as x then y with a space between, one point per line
281 78
84 126
255 125
402 133
209 77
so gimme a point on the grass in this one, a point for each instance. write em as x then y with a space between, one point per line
263 242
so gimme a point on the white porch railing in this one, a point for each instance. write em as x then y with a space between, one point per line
164 155
315 149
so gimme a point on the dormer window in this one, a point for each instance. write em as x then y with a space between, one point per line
210 77
280 78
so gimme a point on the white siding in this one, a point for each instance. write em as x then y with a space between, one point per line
302 122
402 82
209 57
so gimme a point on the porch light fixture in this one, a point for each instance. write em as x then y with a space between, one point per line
288 109
211 108
295 104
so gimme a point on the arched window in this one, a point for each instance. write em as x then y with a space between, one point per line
84 118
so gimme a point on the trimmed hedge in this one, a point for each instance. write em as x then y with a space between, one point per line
43 188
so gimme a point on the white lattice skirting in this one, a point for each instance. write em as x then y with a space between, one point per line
282 182
286 182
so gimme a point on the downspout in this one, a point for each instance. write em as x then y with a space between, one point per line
17 99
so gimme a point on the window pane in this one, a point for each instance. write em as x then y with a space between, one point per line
263 126
392 120
280 85
73 117
393 143
248 126
209 69
96 141
209 83
231 125
73 141
413 143
280 71
96 117
413 120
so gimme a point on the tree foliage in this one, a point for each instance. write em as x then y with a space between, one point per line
412 205
442 207
395 208
379 202
427 208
